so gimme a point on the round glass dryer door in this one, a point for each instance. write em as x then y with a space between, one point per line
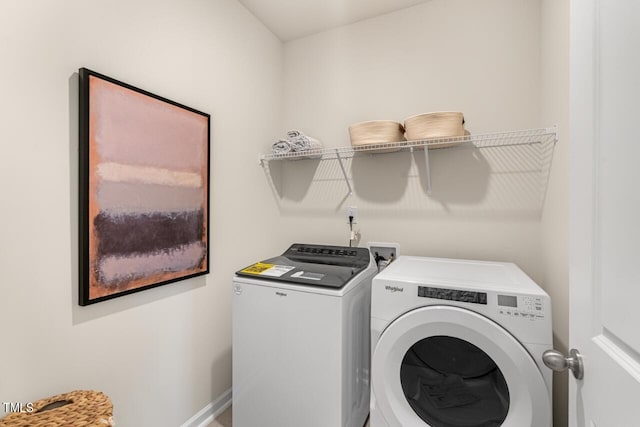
444 366
451 382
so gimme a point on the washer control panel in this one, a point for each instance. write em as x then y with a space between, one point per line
529 307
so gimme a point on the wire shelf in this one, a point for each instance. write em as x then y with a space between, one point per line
489 140
545 136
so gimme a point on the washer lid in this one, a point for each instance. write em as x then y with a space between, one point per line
312 265
450 392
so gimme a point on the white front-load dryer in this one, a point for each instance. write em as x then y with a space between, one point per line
459 343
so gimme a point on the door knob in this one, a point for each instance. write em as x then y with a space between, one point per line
556 361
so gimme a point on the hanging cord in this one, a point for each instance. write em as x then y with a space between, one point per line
350 229
378 258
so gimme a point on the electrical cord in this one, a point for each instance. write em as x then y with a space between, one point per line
350 229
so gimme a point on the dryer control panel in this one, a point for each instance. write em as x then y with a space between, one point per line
530 307
452 294
518 306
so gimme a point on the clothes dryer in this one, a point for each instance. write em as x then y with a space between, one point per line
459 343
301 343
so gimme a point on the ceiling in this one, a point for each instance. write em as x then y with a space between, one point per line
292 19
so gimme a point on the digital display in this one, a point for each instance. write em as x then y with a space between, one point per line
452 295
507 301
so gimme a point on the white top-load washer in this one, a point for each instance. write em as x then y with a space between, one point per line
301 339
459 343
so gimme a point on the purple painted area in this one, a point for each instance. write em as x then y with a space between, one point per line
121 197
146 233
132 128
116 270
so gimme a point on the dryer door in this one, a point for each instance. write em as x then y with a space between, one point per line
444 366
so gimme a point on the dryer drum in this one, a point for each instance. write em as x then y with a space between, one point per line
450 382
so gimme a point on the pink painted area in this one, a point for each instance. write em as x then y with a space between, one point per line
133 128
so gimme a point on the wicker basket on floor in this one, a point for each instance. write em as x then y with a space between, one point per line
81 408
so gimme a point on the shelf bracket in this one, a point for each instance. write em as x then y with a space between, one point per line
554 131
427 170
344 172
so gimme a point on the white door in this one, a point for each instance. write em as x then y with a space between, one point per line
605 211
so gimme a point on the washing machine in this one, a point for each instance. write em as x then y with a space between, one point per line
301 338
459 343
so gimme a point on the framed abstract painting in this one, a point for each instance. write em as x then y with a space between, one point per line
144 189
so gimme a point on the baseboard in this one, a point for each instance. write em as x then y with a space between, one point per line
206 415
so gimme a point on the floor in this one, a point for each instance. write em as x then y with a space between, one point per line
224 420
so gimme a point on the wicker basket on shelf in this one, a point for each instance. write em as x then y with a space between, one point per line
442 124
366 136
81 408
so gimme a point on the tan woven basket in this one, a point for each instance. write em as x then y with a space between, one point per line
443 124
81 408
374 133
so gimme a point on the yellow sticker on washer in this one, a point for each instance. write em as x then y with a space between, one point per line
257 268
264 269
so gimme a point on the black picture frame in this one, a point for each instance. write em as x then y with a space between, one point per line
144 171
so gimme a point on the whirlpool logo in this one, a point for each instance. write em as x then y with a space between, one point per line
394 289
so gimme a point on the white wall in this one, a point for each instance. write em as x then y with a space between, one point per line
554 108
504 64
162 354
478 57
